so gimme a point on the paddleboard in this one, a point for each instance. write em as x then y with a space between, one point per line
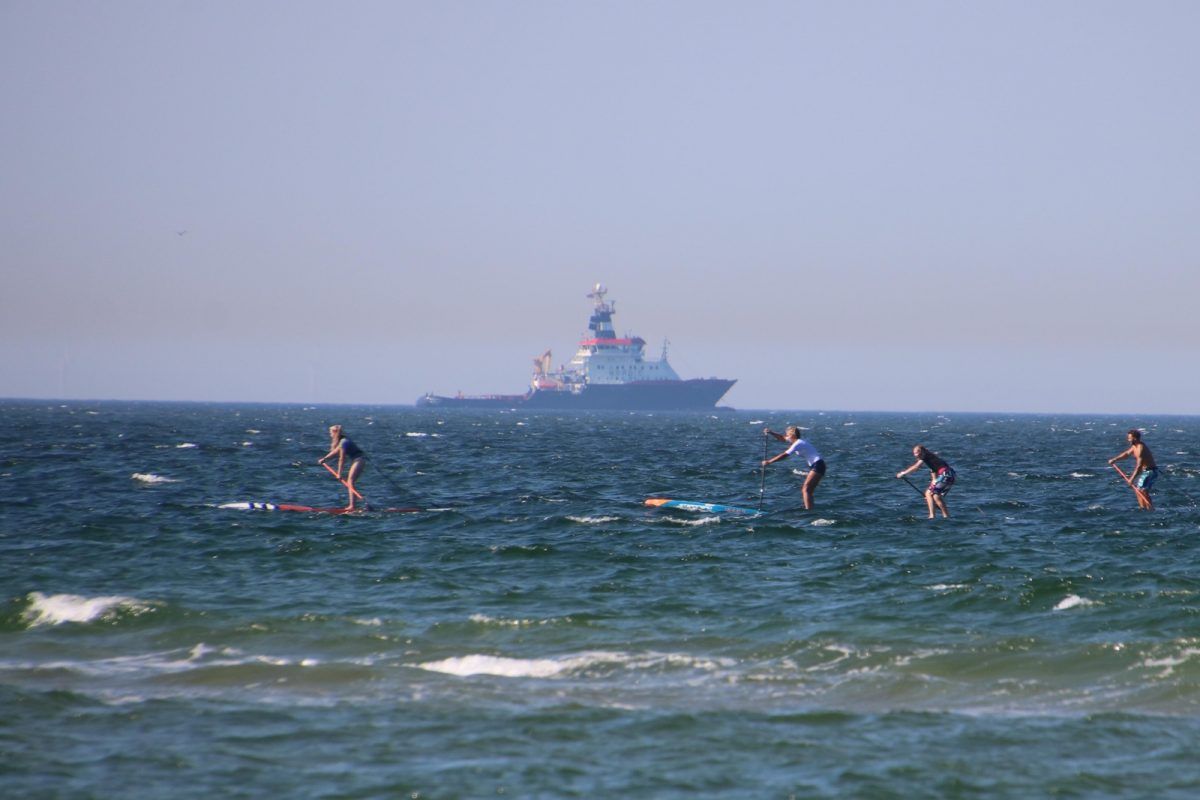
314 509
697 505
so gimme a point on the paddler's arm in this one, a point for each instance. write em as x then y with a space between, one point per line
1120 456
779 457
779 436
904 472
337 448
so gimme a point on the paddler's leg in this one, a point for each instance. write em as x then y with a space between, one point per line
815 473
356 468
940 501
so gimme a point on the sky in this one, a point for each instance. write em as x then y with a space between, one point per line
916 206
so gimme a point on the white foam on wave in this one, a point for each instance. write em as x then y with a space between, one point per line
150 477
592 520
1169 663
692 523
173 662
1081 475
822 522
504 667
416 434
1073 601
186 446
484 619
56 609
464 666
949 587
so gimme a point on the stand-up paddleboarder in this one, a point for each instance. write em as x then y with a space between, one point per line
1145 469
941 478
346 451
798 446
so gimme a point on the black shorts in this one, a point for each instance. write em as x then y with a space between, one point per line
818 467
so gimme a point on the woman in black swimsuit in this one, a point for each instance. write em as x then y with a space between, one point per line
346 451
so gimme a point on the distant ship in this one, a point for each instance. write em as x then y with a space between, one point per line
607 372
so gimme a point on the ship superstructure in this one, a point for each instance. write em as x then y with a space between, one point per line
607 371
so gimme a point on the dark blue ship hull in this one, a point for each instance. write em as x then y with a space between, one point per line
696 394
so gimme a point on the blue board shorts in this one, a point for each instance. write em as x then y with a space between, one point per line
1146 479
942 481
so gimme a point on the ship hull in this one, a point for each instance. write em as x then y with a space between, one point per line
696 394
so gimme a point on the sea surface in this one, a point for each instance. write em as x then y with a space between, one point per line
539 632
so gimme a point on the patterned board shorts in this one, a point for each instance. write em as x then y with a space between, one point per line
942 481
1147 479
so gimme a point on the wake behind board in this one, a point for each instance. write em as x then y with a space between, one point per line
314 509
697 505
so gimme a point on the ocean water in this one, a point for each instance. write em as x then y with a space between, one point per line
538 632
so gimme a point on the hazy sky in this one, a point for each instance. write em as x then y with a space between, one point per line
854 205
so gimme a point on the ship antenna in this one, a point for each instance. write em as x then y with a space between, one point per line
666 346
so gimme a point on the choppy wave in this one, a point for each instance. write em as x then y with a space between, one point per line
57 609
505 667
1073 601
150 477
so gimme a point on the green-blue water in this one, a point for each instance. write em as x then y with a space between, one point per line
544 634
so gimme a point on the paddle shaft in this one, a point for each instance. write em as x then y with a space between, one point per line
333 472
1140 492
762 468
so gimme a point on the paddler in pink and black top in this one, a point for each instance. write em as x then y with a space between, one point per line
941 478
346 451
798 446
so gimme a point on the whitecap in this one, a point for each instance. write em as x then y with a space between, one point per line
820 523
416 434
693 522
1073 601
464 666
484 619
592 520
186 445
505 667
150 477
1081 475
1172 661
56 609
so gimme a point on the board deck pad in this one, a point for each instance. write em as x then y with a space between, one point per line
315 509
699 505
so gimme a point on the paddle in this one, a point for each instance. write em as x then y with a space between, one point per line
762 483
1141 493
916 488
333 472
